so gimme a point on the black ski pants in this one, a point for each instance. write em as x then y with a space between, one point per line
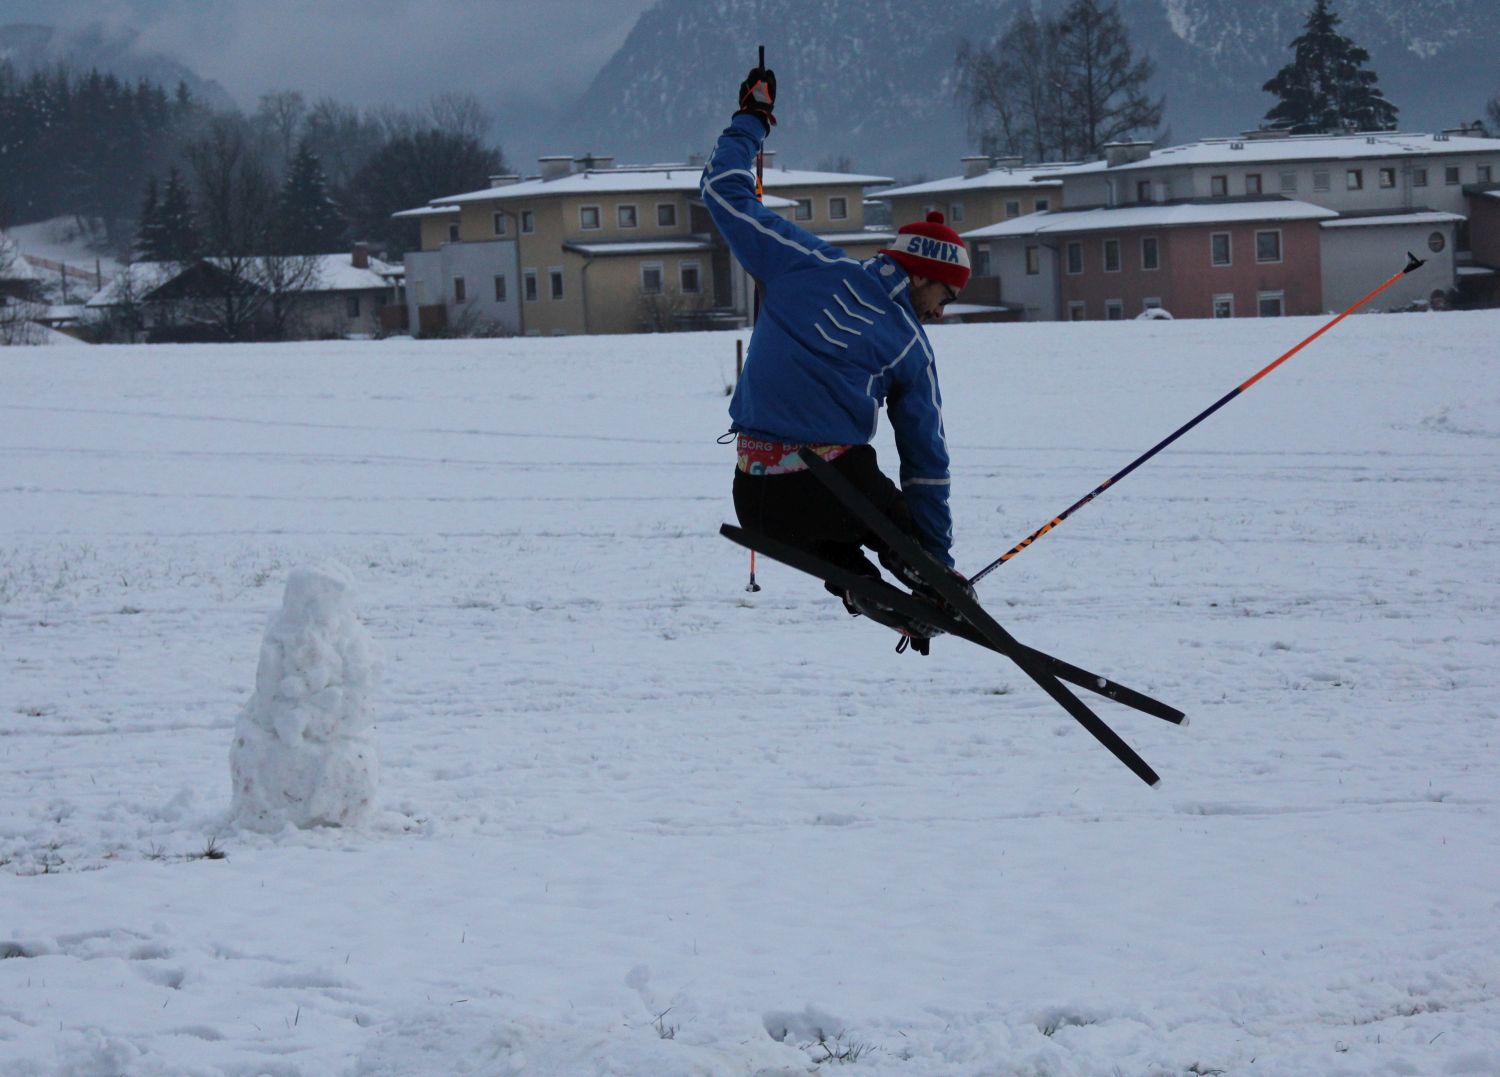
799 510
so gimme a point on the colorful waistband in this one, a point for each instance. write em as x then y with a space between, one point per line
757 456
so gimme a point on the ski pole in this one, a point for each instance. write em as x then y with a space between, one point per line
1412 262
760 195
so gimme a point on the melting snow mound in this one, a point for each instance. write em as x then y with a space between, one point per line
304 751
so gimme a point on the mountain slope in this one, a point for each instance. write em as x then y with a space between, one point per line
872 80
29 47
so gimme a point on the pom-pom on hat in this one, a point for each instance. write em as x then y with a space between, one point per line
931 249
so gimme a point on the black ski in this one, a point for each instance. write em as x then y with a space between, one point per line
936 576
920 609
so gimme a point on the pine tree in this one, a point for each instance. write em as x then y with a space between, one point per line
1326 88
308 220
179 230
148 230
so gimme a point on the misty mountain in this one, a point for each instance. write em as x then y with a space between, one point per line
29 48
872 81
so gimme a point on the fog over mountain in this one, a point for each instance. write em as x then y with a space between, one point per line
869 82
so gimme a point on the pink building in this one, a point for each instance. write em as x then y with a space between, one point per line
1222 259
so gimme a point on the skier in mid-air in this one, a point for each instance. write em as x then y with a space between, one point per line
835 339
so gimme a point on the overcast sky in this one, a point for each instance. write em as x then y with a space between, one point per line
509 53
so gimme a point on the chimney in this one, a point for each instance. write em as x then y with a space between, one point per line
1009 162
768 155
975 165
361 257
1124 153
504 180
593 162
555 167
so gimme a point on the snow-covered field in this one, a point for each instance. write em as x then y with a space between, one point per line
633 820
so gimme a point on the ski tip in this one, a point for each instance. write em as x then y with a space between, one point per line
1156 784
1184 721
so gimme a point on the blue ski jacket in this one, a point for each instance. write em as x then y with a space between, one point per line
835 339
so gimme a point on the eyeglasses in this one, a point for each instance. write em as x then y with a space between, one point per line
950 294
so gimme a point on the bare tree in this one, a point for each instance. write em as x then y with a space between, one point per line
1057 87
280 118
1492 110
460 114
19 305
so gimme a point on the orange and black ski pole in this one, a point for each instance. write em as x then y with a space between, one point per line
1412 263
760 194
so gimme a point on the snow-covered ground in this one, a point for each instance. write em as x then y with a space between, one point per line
634 820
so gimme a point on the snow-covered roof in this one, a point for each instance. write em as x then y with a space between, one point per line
1234 151
649 246
1427 217
428 211
335 273
656 179
844 239
1040 175
1152 216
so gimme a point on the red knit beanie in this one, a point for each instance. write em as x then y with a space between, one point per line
931 249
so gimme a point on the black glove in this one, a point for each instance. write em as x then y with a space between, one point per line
758 95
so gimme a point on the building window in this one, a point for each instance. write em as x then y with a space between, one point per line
555 281
838 209
1111 256
1075 259
1252 183
689 278
1450 175
626 216
981 259
651 278
1012 208
1219 250
1114 310
1143 190
1268 246
1387 177
956 213
803 212
499 222
1419 177
666 215
1484 173
1218 186
500 289
1288 182
1151 303
1042 205
1076 310
1223 306
1436 242
528 221
588 218
352 306
528 285
460 290
1321 181
453 232
1033 261
1270 304
1354 179
1150 253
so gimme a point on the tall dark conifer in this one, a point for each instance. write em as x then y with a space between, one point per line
1327 88
308 220
179 230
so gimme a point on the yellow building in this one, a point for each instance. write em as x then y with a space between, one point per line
587 247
